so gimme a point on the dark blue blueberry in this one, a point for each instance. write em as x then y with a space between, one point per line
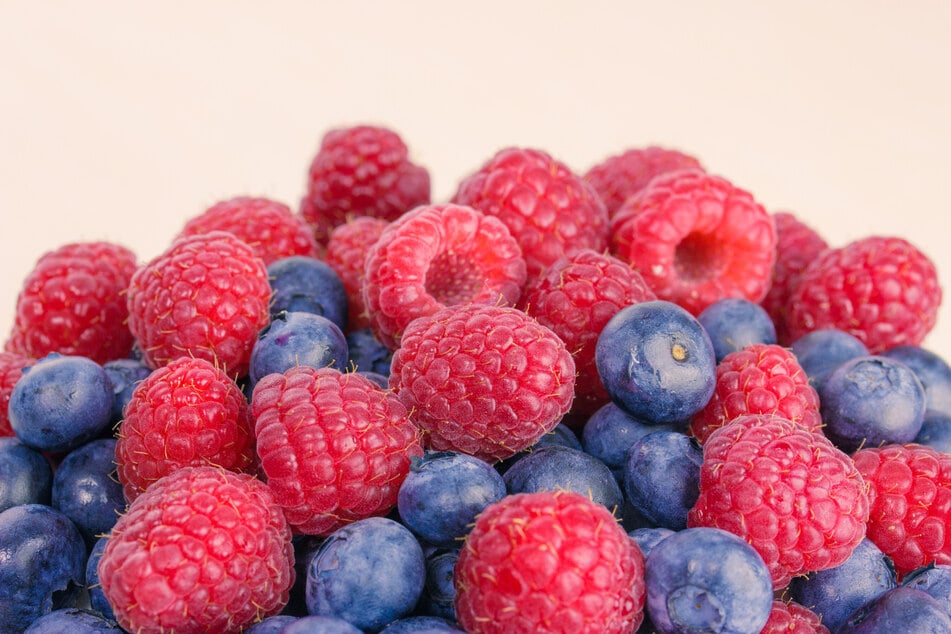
609 433
124 374
367 353
821 351
305 547
370 572
320 624
631 518
933 372
935 431
271 625
307 285
656 362
42 564
74 621
295 339
25 475
442 494
869 401
647 538
439 592
734 323
86 488
561 435
61 402
97 598
707 580
421 625
662 477
935 579
900 609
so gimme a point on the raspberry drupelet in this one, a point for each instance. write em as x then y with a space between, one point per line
346 255
11 369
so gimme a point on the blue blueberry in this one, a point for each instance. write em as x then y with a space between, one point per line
609 433
320 624
25 475
74 621
662 477
900 609
295 339
272 624
935 431
97 598
368 573
656 362
933 372
367 353
734 323
421 625
439 591
307 285
561 435
646 538
124 374
935 579
821 351
86 488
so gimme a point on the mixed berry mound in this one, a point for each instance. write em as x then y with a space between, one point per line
696 238
72 303
11 369
202 550
549 562
206 297
361 171
799 501
346 254
436 256
882 290
488 381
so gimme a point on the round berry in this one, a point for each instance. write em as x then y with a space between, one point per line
293 339
320 625
648 537
734 323
821 351
11 369
367 353
25 475
276 624
421 625
308 285
933 372
935 431
609 433
97 600
86 489
900 609
346 255
662 477
439 593
787 617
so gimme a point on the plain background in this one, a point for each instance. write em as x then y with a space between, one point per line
119 121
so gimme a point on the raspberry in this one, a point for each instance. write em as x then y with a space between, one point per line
11 369
202 550
910 498
792 618
759 379
346 255
797 245
696 238
269 227
185 413
488 381
882 290
361 171
206 297
549 562
619 177
551 211
335 447
799 501
71 303
575 298
435 256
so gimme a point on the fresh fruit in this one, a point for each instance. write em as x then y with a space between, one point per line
662 477
308 285
734 323
25 475
293 339
821 351
787 617
933 372
346 255
900 609
86 489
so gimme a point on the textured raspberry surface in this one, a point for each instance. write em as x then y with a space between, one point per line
361 171
186 413
799 501
437 256
696 238
619 177
347 248
551 211
202 550
759 379
72 303
483 380
575 298
206 296
269 227
11 369
549 562
335 447
797 245
910 495
792 618
882 290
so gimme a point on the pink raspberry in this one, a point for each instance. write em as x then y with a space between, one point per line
788 617
346 255
483 380
11 369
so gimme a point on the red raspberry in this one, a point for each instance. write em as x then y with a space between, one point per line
910 497
11 369
72 303
575 298
882 290
792 618
549 562
346 255
361 171
619 177
269 227
435 256
799 501
696 239
759 379
483 380
551 211
335 447
186 413
207 297
202 550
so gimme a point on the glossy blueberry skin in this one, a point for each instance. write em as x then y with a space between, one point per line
709 580
933 372
421 625
271 625
61 402
900 609
72 620
561 435
370 572
307 285
647 537
656 362
869 401
97 598
25 475
439 592
318 624
294 339
935 431
609 433
86 488
734 323
442 494
367 353
662 477
935 580
124 374
822 351
42 562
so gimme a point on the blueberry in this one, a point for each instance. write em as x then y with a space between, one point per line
124 374
272 624
295 339
900 609
87 490
319 624
933 372
25 475
656 362
97 598
421 625
935 431
307 285
74 620
935 579
609 433
369 573
734 323
368 353
647 537
439 592
822 351
662 477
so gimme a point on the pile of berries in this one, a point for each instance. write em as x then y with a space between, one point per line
627 400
